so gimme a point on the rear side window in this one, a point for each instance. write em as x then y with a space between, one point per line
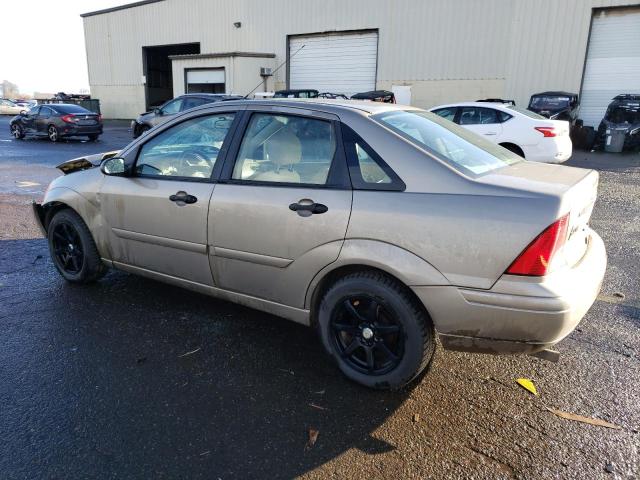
368 171
71 109
461 149
46 112
286 149
190 102
448 113
503 116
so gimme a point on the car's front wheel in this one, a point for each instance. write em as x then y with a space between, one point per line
52 133
72 248
93 138
375 330
17 131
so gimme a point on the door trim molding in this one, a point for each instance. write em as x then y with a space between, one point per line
162 241
251 257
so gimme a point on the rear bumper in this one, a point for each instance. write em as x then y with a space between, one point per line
81 130
518 314
550 150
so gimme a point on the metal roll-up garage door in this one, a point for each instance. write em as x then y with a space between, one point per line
613 61
337 62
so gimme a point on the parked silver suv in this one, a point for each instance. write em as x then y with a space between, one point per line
172 107
379 225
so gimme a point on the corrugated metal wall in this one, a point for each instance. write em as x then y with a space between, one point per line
447 50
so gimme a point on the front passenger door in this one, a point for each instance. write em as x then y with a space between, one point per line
29 120
281 210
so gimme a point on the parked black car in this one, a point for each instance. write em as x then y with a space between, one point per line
555 105
384 96
300 93
620 128
56 122
174 106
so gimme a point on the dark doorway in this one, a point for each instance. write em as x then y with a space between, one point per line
205 88
157 70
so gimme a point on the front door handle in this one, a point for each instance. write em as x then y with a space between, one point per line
306 207
182 198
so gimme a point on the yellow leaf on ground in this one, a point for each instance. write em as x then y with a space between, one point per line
527 385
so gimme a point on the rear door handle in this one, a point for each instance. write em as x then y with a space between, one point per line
183 198
306 207
491 133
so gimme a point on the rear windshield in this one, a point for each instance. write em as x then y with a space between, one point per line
624 114
551 102
463 150
70 109
528 113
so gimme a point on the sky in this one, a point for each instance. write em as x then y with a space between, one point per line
38 57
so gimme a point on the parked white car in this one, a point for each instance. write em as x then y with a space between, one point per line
7 107
523 132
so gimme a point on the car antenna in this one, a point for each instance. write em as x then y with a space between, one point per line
272 73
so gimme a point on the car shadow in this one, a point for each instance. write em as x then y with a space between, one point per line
133 378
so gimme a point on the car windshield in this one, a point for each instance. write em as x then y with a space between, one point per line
624 114
463 150
555 102
528 113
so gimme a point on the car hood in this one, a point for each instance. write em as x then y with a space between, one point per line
84 163
145 116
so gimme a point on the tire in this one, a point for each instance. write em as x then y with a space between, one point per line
72 248
93 138
143 129
513 148
52 133
385 318
17 131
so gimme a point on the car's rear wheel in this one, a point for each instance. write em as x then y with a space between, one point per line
52 133
17 132
72 248
513 148
375 330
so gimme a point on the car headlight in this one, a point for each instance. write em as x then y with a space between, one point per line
634 131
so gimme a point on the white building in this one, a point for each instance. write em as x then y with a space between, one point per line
442 50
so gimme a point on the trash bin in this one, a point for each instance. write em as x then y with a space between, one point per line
614 139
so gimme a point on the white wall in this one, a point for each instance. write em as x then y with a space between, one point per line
446 49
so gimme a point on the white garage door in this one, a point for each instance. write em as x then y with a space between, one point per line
338 63
214 75
613 62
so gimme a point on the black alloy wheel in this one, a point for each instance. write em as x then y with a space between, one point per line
67 248
367 334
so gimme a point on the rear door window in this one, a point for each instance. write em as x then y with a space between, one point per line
280 148
478 116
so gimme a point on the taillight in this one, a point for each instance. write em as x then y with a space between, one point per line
535 260
547 131
68 118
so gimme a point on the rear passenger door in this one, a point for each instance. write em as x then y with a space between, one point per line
483 121
280 211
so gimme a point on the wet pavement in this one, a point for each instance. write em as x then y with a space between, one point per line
130 378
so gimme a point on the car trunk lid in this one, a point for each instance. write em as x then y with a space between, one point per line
574 188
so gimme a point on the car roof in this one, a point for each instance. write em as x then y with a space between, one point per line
558 93
496 105
323 104
214 95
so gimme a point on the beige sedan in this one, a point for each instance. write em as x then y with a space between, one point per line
7 107
379 225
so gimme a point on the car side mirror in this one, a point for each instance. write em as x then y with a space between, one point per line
114 166
157 111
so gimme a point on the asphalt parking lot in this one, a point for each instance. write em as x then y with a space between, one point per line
130 378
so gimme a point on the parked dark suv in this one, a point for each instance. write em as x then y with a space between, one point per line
174 106
57 121
620 128
555 105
